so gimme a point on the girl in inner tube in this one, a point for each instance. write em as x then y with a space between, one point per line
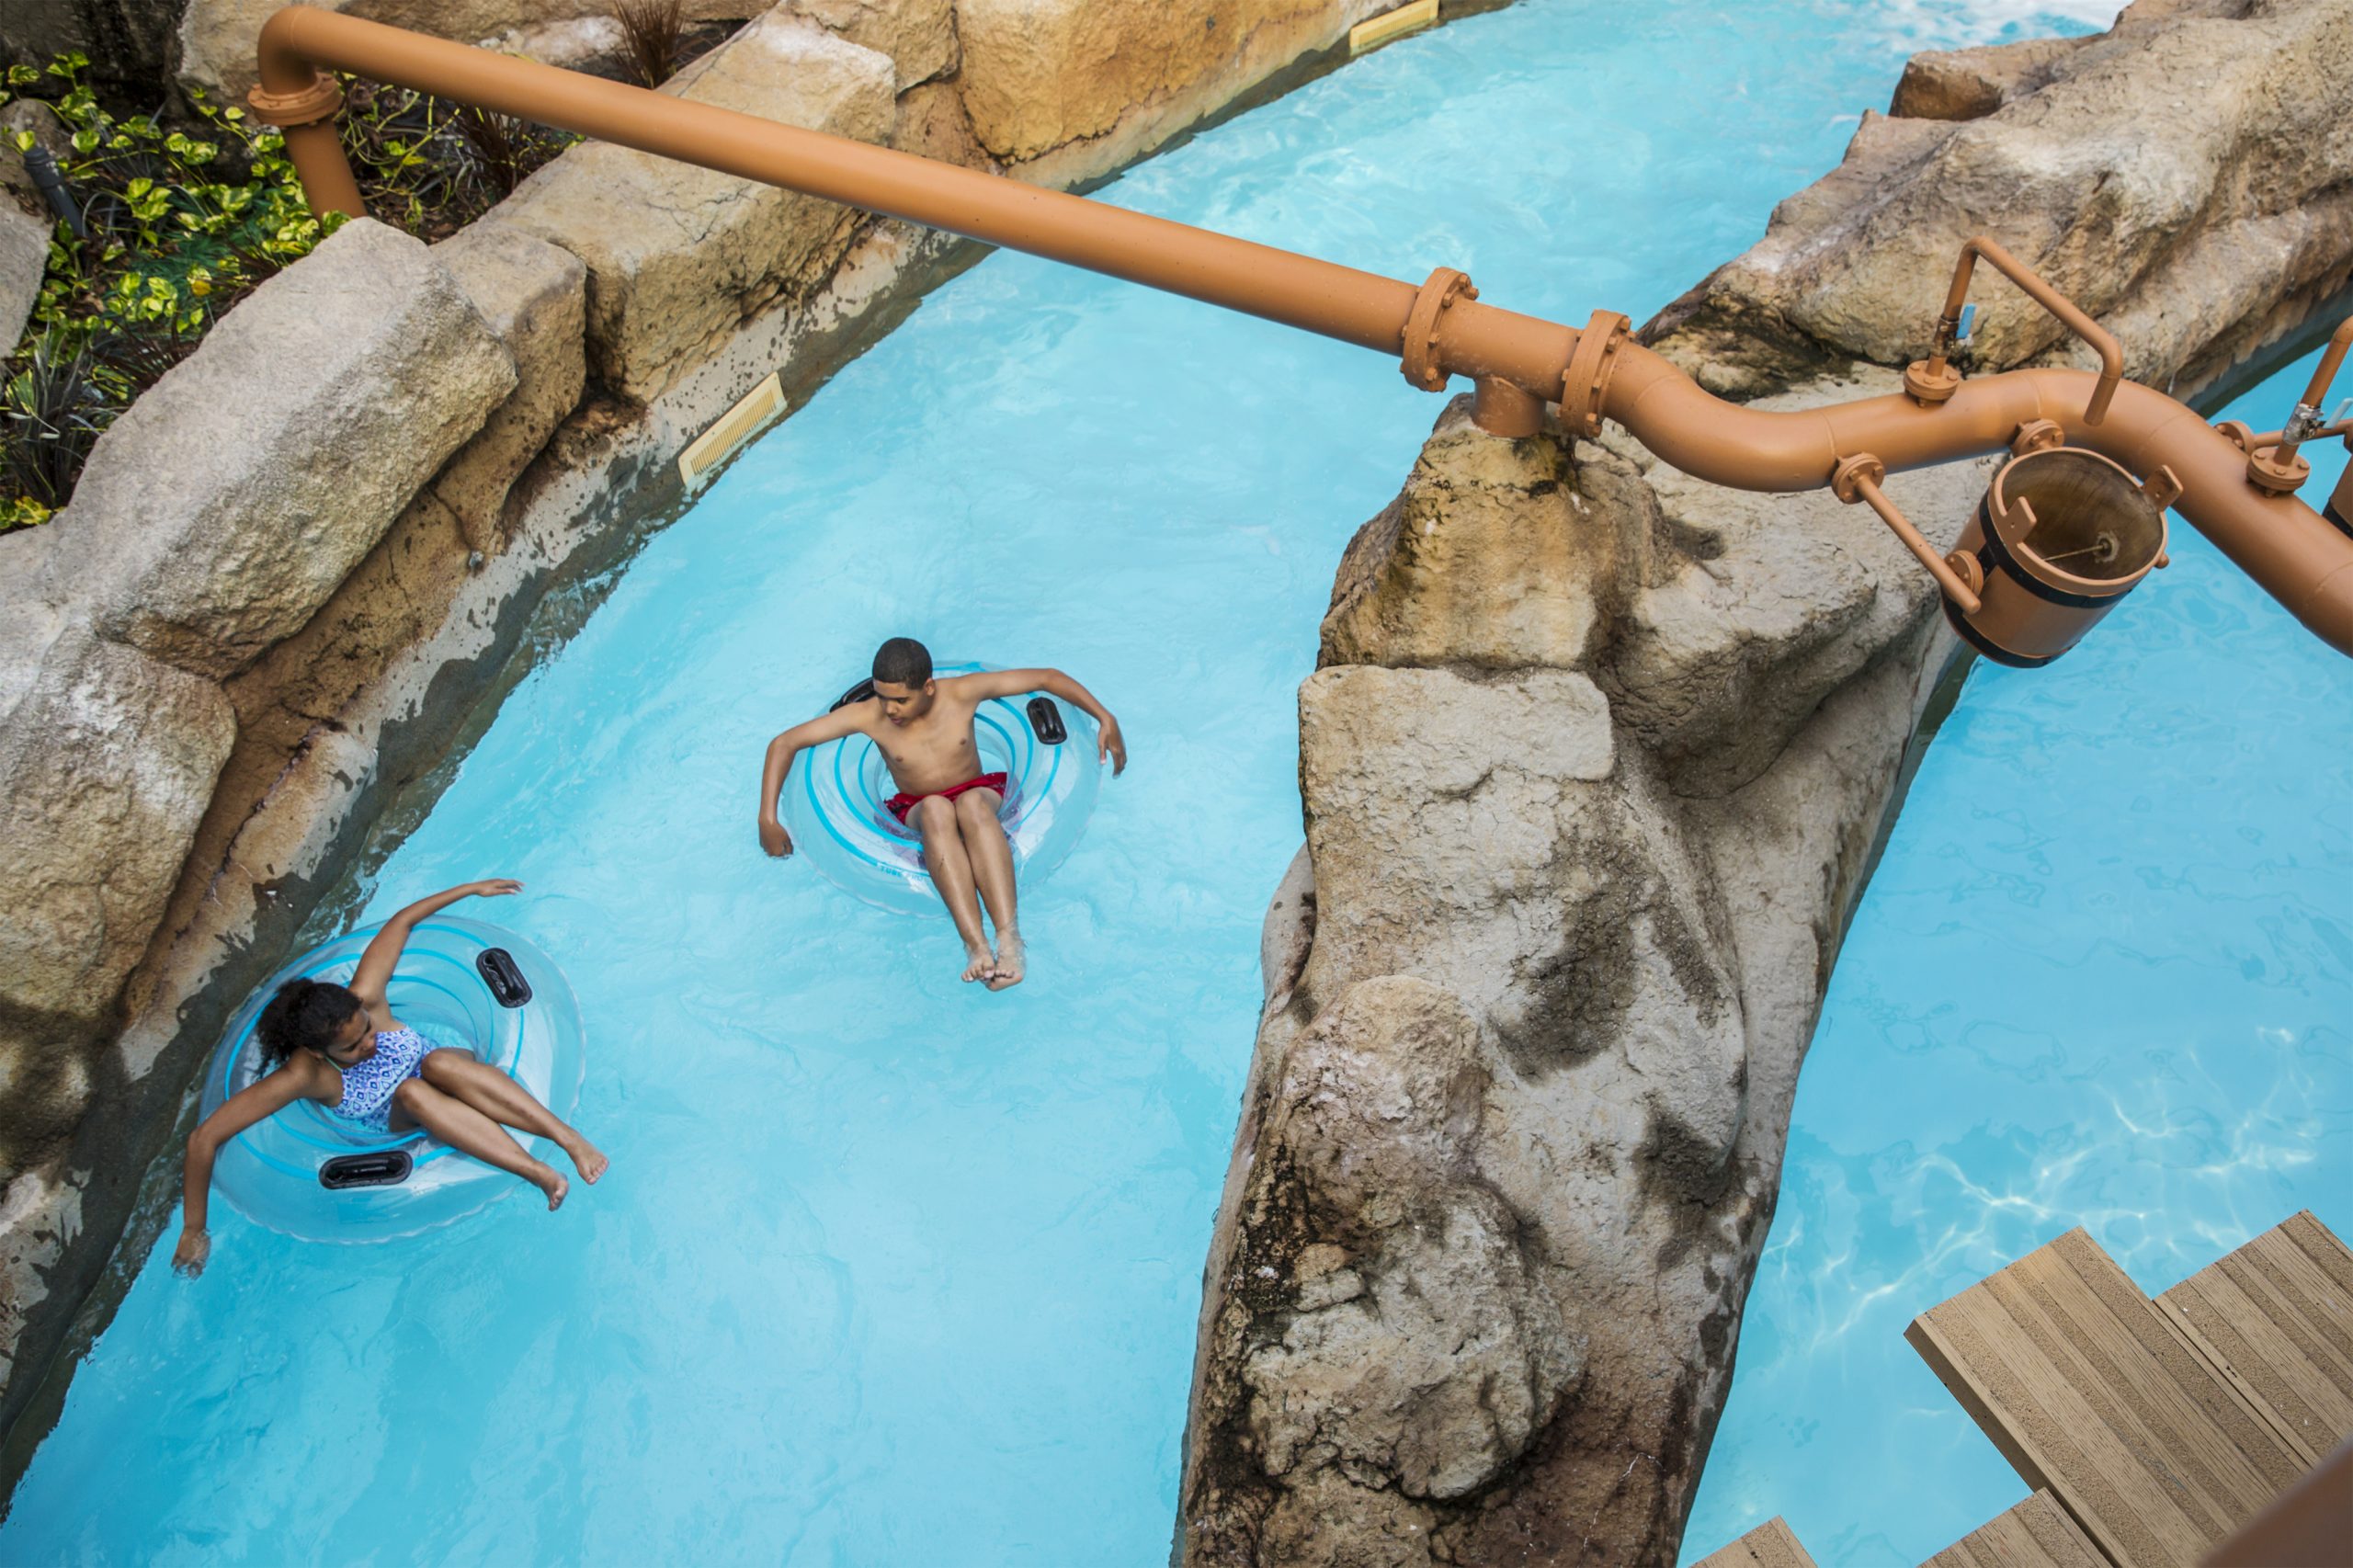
341 1046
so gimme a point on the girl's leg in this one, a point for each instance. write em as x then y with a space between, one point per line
502 1099
463 1128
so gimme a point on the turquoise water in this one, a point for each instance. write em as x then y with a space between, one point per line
889 1271
2103 977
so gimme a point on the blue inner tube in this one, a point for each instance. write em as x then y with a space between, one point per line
832 803
283 1172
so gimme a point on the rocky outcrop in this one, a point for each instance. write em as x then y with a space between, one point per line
1570 908
1592 773
2182 177
1064 93
678 258
128 41
24 256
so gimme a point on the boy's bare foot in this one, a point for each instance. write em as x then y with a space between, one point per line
587 1158
554 1184
1010 961
981 967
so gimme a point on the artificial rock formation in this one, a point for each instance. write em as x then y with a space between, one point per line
2181 177
1593 772
677 257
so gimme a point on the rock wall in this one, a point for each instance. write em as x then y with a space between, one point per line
301 568
1593 771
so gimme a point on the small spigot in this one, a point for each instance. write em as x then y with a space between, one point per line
2302 424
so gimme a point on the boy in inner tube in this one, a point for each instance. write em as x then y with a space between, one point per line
924 727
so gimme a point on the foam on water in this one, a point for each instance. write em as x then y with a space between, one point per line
889 1271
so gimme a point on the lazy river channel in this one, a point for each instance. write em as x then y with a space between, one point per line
890 1270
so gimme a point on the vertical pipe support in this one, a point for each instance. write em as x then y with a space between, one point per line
304 110
2284 471
1502 409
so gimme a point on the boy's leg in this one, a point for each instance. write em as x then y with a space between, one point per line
951 873
463 1128
502 1099
992 861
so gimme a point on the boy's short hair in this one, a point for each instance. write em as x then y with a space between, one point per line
903 661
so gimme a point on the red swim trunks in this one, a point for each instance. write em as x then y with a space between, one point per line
902 804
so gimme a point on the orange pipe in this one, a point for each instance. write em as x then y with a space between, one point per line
2111 353
2308 410
2297 557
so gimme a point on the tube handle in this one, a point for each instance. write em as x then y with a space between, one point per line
2070 316
1856 479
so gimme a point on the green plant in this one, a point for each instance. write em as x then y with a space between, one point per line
61 394
183 221
186 219
432 166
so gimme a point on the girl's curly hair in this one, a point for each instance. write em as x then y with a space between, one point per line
303 1016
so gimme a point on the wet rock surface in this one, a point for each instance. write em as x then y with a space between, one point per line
2181 177
1592 778
1515 1120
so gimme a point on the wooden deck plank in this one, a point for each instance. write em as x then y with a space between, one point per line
2277 1317
2036 1534
1769 1545
2091 1393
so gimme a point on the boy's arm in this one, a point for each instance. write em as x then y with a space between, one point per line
1109 741
383 953
847 720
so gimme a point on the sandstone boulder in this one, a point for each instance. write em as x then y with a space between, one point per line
1491 556
24 256
533 295
1968 84
106 764
2120 169
918 35
218 513
679 257
1121 75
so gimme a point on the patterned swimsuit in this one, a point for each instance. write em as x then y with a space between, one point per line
368 1086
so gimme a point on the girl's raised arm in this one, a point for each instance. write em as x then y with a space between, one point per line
384 951
299 1079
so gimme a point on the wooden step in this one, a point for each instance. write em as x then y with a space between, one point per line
2092 1394
2277 1317
1769 1545
2036 1534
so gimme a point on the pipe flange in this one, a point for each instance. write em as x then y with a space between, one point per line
1969 569
1587 381
2268 474
1861 466
2037 435
1420 348
321 100
1925 385
2237 433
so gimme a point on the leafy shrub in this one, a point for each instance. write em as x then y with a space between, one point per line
183 223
